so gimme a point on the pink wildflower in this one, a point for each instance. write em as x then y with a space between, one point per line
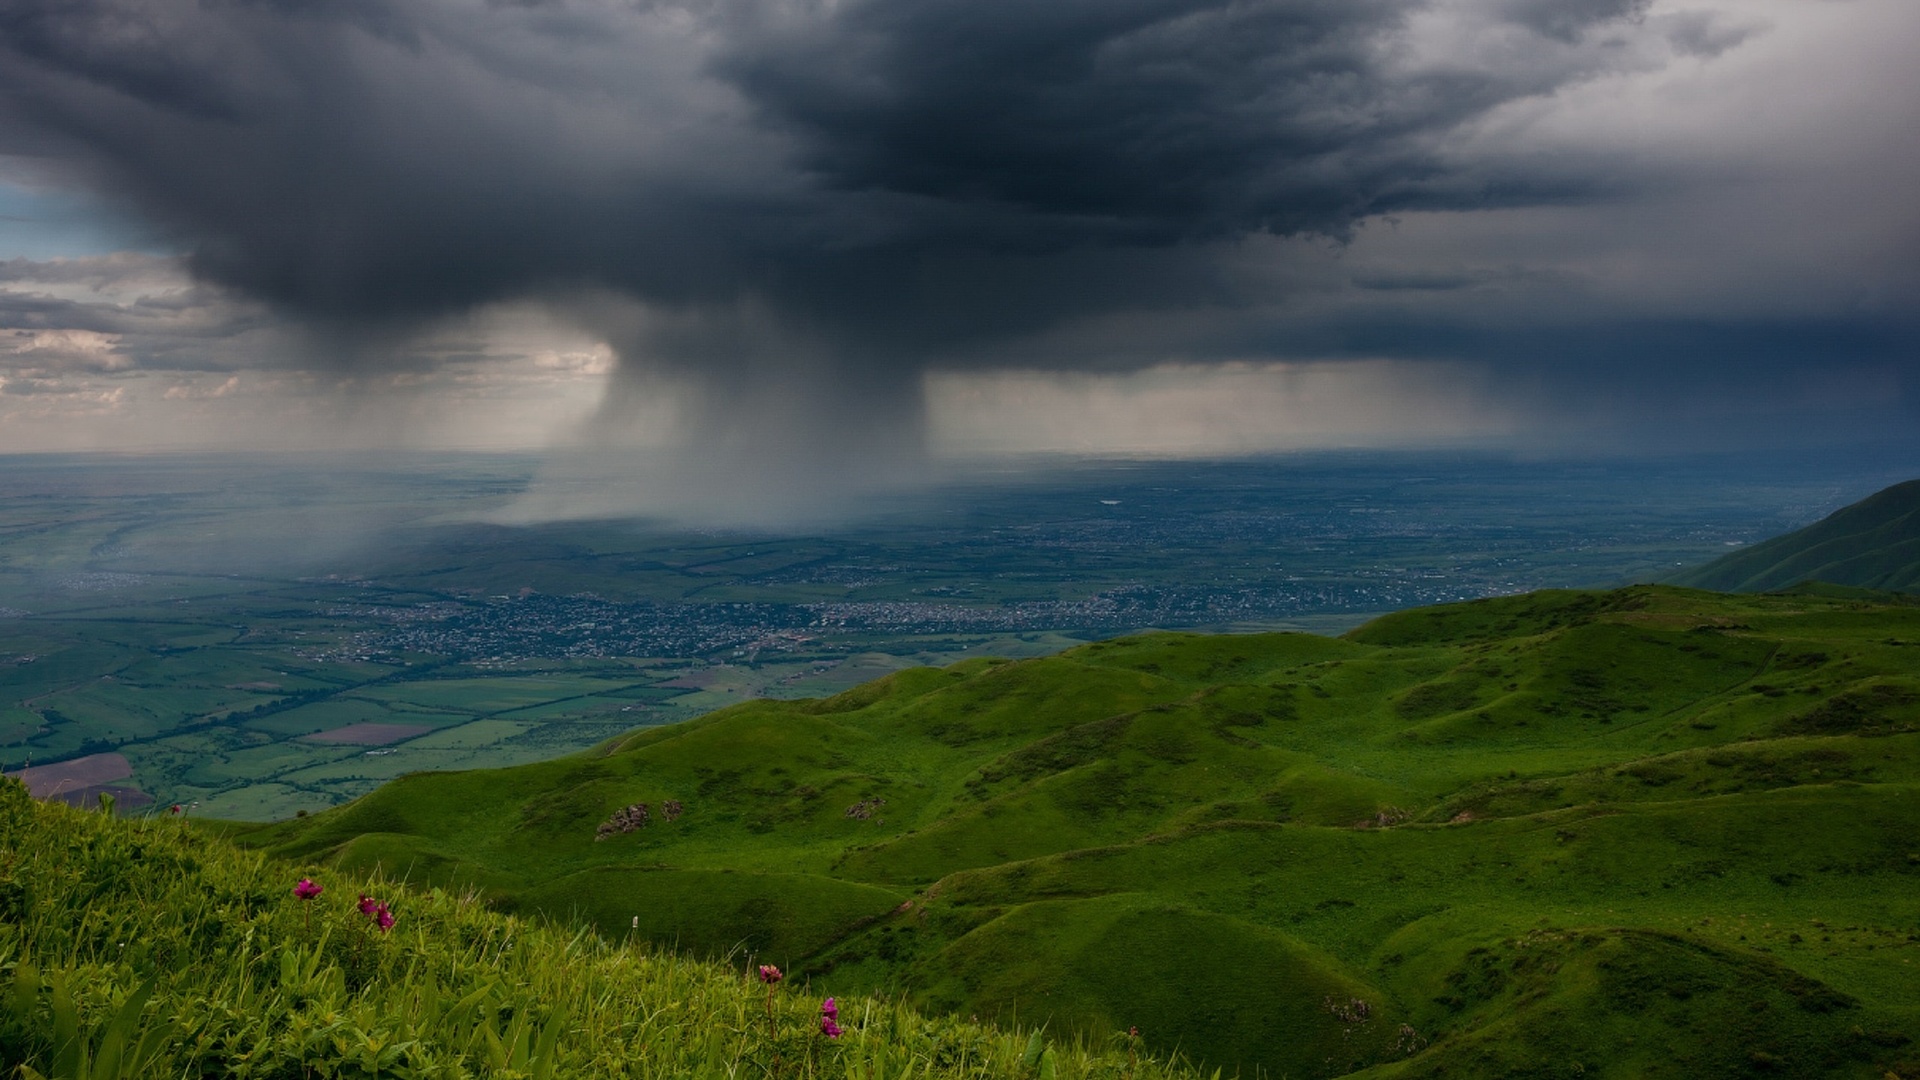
377 911
770 974
829 1017
307 889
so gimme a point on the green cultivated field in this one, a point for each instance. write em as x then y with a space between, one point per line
215 708
220 717
1641 833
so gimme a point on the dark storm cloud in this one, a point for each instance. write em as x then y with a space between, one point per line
800 206
373 160
1570 20
1146 120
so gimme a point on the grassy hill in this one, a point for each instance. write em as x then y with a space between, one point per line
144 950
1873 544
1642 833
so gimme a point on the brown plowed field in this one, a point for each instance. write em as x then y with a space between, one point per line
94 770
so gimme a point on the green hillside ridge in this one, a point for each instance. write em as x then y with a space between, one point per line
1872 544
1649 832
143 949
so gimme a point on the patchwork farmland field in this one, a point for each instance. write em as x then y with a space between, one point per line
212 621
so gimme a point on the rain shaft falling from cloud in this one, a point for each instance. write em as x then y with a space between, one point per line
788 218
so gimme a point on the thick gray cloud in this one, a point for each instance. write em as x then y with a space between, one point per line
375 159
1155 121
820 199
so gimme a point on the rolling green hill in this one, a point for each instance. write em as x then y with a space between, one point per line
1873 544
1642 833
143 949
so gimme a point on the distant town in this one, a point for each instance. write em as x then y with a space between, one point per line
556 627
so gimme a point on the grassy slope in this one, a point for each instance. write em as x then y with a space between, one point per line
1874 544
1648 832
193 959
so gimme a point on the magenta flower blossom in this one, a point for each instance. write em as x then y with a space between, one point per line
829 1019
307 889
377 911
770 975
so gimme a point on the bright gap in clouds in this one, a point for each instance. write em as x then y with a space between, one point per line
170 365
1210 410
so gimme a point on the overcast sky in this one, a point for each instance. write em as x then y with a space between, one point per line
831 241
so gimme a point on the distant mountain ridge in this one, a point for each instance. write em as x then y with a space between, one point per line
1872 544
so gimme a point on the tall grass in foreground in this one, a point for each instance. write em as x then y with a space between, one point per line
140 948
